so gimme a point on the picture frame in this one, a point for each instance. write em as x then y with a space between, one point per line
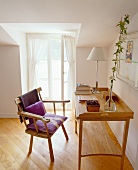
127 66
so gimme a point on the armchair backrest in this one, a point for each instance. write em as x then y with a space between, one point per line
28 99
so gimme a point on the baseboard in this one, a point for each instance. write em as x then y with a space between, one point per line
9 115
119 140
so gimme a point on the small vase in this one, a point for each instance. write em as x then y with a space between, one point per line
110 104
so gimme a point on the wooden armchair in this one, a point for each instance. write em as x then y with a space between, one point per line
37 122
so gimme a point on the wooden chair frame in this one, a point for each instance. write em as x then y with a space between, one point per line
35 117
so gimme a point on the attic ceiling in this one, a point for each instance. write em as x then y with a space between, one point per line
97 18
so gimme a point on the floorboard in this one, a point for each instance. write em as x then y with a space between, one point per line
97 138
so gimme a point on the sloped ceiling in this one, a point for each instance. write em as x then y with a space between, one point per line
98 18
5 38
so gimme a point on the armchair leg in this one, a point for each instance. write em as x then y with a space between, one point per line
31 144
65 133
51 150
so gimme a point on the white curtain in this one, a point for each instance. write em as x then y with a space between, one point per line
39 48
37 45
70 50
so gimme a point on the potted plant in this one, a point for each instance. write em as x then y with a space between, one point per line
110 104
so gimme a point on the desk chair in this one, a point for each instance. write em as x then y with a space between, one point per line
37 121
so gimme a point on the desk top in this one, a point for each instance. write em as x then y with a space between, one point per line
122 112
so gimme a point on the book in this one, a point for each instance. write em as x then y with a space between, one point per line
84 85
83 92
83 88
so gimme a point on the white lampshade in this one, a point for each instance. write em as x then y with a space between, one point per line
97 54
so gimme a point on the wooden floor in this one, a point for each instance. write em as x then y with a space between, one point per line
14 144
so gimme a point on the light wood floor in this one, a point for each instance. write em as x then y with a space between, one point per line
14 144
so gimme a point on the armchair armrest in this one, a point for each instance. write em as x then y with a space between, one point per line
57 101
31 115
35 118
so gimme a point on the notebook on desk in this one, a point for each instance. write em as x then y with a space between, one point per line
83 98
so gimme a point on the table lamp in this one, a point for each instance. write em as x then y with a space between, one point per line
97 54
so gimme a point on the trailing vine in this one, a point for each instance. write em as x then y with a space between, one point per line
123 31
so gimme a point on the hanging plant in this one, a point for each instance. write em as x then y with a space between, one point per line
123 31
110 104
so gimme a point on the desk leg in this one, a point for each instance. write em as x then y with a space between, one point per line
75 122
126 127
75 126
80 143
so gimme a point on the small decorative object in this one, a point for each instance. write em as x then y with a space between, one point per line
110 104
92 105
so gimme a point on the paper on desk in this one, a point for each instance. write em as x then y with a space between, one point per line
83 98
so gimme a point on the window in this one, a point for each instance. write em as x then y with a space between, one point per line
48 70
49 67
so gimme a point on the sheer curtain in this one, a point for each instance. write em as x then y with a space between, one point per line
45 61
37 45
70 52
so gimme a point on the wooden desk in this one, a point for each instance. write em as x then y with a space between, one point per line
122 113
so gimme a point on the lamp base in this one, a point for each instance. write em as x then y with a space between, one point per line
96 87
96 91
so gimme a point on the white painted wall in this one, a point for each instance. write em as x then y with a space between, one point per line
10 80
86 70
136 162
130 97
20 38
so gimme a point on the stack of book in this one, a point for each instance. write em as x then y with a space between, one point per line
83 89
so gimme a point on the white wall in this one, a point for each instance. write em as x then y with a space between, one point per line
130 97
10 80
20 38
86 70
136 163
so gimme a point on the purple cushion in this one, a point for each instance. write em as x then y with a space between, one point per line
36 108
53 125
